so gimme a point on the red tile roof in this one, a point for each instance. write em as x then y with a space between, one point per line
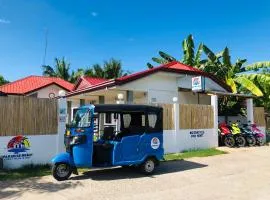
33 83
174 67
94 81
87 81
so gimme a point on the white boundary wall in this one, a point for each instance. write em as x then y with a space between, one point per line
174 142
42 147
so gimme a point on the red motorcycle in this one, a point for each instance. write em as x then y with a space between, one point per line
226 136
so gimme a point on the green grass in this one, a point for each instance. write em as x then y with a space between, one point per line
193 153
44 170
25 172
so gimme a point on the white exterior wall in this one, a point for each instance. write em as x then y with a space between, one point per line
181 140
160 87
44 92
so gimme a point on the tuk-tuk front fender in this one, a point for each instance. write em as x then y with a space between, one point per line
63 158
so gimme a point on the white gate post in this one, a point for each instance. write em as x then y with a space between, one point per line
62 118
250 116
176 122
214 103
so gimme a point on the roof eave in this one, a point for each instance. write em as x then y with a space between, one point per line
91 88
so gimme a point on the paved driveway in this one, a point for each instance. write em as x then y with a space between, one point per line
242 174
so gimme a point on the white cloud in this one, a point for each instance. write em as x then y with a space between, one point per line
94 14
4 21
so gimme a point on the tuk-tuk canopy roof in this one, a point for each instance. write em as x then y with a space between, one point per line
118 108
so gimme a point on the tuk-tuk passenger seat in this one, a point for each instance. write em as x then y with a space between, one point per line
108 133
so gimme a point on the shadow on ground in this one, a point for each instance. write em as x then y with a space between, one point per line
16 188
127 173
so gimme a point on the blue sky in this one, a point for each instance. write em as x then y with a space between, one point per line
91 31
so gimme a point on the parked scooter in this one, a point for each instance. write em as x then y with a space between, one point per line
248 134
237 133
226 136
258 134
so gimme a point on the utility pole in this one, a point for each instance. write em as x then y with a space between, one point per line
46 44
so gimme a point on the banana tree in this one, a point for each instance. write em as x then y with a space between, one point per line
258 65
259 74
221 66
189 56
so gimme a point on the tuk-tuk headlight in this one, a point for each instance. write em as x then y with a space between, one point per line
68 133
78 139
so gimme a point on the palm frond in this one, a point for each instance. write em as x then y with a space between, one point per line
249 85
230 82
159 60
149 65
48 71
258 65
198 55
166 56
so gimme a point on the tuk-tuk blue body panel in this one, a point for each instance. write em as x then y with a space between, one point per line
128 150
132 150
63 158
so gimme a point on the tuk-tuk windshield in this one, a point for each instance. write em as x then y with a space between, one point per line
82 118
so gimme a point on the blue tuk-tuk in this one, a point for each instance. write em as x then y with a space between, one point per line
135 139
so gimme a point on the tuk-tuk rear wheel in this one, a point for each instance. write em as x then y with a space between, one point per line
61 171
148 166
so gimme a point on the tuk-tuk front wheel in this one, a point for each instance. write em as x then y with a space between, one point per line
61 171
148 167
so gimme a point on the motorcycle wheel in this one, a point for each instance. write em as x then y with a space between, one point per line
251 141
229 141
240 141
260 141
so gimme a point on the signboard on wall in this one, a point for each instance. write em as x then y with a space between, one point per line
18 148
196 134
198 83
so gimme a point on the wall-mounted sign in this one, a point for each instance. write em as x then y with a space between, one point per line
18 148
196 134
198 83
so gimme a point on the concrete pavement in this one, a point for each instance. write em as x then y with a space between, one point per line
244 173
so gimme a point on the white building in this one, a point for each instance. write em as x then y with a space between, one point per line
168 84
